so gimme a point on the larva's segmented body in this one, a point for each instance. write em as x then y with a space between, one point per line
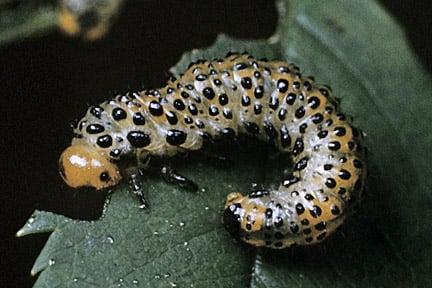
269 99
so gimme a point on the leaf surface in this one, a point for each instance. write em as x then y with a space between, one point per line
356 48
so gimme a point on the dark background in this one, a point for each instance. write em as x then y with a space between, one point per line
48 82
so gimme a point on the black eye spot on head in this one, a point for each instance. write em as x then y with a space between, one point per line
104 176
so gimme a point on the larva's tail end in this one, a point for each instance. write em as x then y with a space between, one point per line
232 214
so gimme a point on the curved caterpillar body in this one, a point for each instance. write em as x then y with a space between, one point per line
268 99
89 19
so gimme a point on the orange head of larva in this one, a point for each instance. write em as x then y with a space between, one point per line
82 165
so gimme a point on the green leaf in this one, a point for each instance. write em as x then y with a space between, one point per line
355 47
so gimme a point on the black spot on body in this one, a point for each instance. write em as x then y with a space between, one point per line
257 109
240 66
179 105
300 112
245 100
290 99
328 167
274 103
303 128
213 110
208 93
155 108
314 102
330 182
138 139
334 145
269 213
301 164
115 153
344 174
251 127
171 117
294 228
278 222
341 191
282 114
95 129
298 147
138 118
270 130
96 111
322 134
193 109
299 209
282 85
357 164
201 77
258 193
316 211
184 94
199 124
321 236
104 141
188 120
335 210
246 82
285 138
227 114
118 114
340 131
175 137
223 99
259 92
317 118
290 180
320 226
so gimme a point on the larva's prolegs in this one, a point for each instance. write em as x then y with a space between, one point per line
271 101
172 176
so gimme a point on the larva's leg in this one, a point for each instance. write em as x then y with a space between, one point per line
172 176
136 187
